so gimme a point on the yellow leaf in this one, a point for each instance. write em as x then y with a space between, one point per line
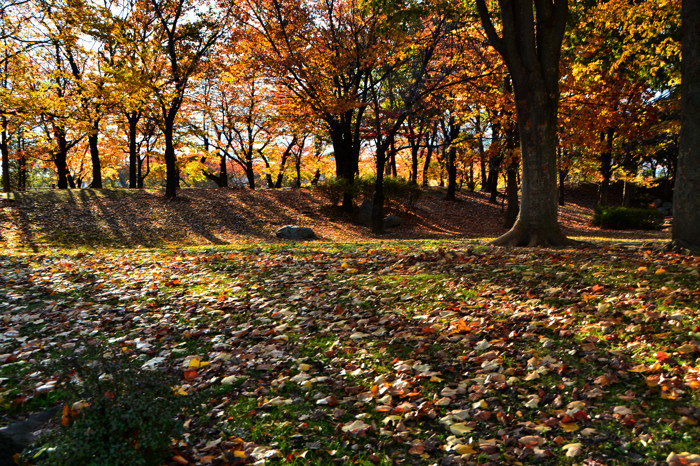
660 271
463 449
197 363
460 428
568 426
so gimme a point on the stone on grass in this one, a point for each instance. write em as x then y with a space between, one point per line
392 221
295 232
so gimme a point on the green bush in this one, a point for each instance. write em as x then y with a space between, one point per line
624 218
129 416
395 189
333 189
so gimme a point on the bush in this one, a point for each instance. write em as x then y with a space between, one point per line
333 189
117 414
624 218
395 189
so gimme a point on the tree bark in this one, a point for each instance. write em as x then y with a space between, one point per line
531 51
95 157
562 177
512 208
172 177
5 149
378 197
606 166
344 131
428 157
60 155
686 196
133 120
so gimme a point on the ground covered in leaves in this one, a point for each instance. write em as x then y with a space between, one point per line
416 352
144 218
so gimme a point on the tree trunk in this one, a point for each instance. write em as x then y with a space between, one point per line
378 197
249 172
482 154
426 163
562 177
531 51
414 163
133 120
344 132
223 172
451 174
172 177
606 166
686 195
60 155
5 149
95 158
512 208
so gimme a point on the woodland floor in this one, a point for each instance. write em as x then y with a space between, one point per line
422 346
123 219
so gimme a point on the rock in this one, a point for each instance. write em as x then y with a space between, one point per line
392 221
364 215
18 436
295 232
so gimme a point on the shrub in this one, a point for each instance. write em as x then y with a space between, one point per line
624 218
117 414
395 189
333 189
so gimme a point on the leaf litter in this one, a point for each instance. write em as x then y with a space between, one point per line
380 353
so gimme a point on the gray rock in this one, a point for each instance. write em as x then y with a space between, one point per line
18 436
364 215
295 232
392 221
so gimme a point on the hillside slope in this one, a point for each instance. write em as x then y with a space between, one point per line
126 218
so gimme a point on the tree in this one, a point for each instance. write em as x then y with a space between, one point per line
686 197
530 44
181 39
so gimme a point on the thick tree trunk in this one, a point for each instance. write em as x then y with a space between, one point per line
5 149
95 159
344 132
686 195
531 50
172 177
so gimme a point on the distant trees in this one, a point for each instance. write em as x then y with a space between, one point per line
277 92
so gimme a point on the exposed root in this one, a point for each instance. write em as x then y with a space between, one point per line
519 236
682 247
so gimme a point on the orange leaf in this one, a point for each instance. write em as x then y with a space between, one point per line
180 460
65 419
190 375
597 288
661 356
